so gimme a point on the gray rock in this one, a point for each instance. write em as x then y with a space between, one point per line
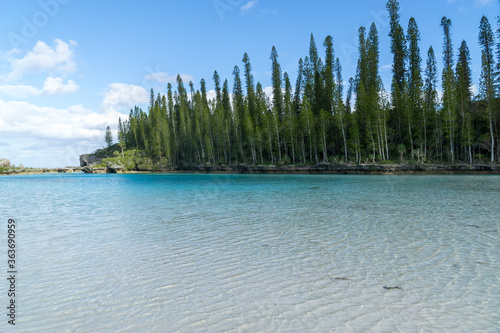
87 169
64 170
89 160
4 163
113 168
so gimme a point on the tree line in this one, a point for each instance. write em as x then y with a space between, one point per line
322 118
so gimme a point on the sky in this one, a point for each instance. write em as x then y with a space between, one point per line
70 68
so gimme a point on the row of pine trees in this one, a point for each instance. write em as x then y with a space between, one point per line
324 119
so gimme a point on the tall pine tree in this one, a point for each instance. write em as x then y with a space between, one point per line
487 42
448 83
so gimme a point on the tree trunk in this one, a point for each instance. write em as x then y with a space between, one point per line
345 141
491 133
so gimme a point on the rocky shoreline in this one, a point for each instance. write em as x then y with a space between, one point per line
35 171
7 169
104 161
320 168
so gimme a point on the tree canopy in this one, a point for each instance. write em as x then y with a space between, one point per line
317 120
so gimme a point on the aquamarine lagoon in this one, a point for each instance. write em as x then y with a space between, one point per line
253 253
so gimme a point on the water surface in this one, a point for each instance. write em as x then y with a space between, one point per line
247 253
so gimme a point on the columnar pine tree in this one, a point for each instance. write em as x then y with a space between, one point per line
354 128
308 132
108 137
373 88
415 110
314 92
229 121
464 99
290 117
299 87
121 134
398 50
340 107
430 98
448 83
329 75
276 83
261 131
277 95
368 86
239 109
487 43
250 89
361 80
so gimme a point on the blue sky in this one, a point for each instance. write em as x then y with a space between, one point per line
69 68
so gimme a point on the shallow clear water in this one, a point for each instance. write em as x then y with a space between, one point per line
247 253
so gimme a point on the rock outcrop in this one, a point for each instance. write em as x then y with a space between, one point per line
4 163
113 168
88 169
65 170
89 160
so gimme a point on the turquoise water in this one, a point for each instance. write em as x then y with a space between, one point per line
248 253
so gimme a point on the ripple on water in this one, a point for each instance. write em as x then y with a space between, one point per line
253 253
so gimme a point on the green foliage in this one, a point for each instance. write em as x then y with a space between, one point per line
314 121
107 152
108 137
448 84
487 88
401 150
132 160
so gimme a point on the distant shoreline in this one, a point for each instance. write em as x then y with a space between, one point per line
36 171
320 168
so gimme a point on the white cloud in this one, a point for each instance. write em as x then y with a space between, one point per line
482 3
385 68
51 86
61 134
19 90
26 120
55 86
249 5
211 94
160 77
474 89
43 58
269 92
121 95
32 121
439 95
